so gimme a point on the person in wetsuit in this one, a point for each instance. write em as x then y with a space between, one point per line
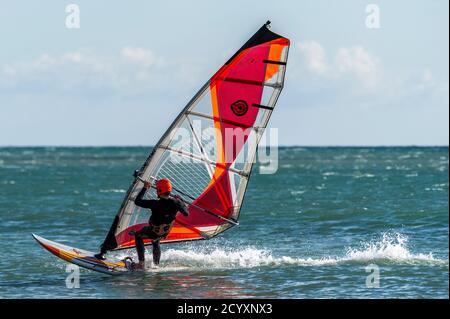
164 211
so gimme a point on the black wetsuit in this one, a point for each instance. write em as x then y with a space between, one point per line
164 212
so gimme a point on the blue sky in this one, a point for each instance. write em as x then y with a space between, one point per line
124 75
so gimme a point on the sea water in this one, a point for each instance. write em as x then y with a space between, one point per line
330 223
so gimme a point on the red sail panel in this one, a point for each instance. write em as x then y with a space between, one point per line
239 81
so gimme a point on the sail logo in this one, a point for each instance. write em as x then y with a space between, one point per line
239 108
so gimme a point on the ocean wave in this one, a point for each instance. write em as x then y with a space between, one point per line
390 248
112 191
329 174
361 175
435 188
297 192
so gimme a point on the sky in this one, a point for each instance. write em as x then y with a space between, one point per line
125 73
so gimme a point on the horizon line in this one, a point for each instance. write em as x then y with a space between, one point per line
284 146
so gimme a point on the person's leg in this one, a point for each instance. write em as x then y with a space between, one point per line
140 248
101 254
156 251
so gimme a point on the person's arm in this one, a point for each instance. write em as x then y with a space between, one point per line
141 202
182 208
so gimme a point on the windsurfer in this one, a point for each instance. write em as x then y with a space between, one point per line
164 211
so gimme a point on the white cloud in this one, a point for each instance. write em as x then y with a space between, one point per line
8 77
349 62
426 80
356 60
141 56
353 79
76 57
428 83
314 55
132 70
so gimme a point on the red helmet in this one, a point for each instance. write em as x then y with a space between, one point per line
163 186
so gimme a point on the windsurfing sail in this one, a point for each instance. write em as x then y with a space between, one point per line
209 150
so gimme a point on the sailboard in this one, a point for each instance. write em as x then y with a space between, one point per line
209 149
83 258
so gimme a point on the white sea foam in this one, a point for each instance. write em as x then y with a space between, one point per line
329 174
390 248
437 187
297 192
366 175
112 191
